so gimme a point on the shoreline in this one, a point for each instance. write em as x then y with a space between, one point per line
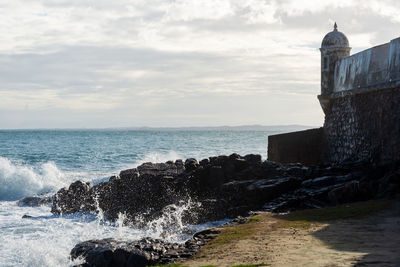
357 234
224 187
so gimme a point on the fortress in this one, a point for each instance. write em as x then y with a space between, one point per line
360 96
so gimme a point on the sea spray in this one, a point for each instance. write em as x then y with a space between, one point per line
169 226
18 180
34 161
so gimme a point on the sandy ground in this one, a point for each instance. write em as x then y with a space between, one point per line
371 241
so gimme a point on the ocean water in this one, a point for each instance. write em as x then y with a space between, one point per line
43 161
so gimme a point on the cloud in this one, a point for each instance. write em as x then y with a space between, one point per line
148 62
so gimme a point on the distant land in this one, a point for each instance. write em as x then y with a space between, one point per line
228 128
269 128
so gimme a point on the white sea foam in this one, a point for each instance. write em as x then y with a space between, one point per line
18 180
157 157
46 239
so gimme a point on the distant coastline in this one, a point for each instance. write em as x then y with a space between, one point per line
293 127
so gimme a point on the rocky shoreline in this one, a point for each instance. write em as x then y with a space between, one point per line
224 187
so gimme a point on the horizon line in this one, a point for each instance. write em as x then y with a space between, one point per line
166 127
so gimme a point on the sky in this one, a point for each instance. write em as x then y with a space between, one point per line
165 63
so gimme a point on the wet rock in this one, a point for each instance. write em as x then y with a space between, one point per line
344 193
129 174
225 186
266 189
26 216
191 164
76 198
139 253
34 201
326 181
253 159
160 169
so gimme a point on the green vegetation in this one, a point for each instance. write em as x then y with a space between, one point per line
231 234
345 211
299 219
252 265
168 265
264 223
254 219
178 265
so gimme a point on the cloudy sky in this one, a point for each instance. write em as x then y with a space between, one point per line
121 63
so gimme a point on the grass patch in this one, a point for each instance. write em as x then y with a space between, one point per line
251 265
235 233
254 219
168 265
232 234
345 211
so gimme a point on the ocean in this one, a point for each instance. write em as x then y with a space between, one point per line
43 161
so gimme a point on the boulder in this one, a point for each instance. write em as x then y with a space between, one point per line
76 198
140 253
34 201
191 164
160 169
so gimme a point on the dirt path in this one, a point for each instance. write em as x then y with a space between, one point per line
308 239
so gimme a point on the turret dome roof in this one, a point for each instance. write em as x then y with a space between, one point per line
335 39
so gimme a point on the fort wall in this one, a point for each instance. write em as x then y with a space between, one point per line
360 96
363 126
302 147
377 66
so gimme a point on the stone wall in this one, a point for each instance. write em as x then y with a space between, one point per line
363 126
303 147
377 66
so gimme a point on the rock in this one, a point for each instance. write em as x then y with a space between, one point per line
204 162
191 164
326 181
215 177
114 178
140 253
26 216
76 198
79 187
129 174
240 164
266 189
344 193
34 201
253 159
226 187
160 169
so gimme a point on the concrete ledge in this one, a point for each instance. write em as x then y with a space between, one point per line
304 147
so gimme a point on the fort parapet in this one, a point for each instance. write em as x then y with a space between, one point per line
360 96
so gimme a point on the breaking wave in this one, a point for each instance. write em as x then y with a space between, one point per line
157 157
18 180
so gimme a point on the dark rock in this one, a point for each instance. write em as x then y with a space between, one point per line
144 252
240 164
160 169
266 189
326 181
253 159
76 198
226 187
215 177
191 164
34 201
114 178
129 174
79 187
204 162
345 193
26 216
